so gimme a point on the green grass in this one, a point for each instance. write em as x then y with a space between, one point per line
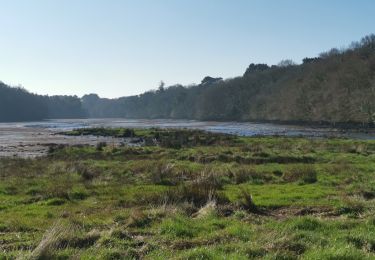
189 199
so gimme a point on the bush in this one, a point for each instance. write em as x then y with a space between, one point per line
138 219
368 194
121 234
87 173
246 202
10 190
163 174
59 187
205 188
277 173
249 174
304 173
242 175
100 146
79 240
353 208
78 195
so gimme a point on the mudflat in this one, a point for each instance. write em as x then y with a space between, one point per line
29 142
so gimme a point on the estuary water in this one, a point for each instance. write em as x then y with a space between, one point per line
31 139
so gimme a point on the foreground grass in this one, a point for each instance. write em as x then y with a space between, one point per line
192 196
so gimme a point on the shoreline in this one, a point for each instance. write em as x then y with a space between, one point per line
339 126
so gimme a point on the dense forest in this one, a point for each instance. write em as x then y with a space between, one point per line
338 87
17 104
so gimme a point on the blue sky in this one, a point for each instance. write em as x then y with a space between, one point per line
125 47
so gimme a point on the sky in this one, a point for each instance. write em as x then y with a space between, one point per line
125 47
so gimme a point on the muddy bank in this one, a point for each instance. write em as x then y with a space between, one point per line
33 142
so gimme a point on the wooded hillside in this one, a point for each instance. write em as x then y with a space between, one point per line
337 87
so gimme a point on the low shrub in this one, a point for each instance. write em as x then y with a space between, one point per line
58 188
120 234
164 174
353 208
205 188
78 195
100 146
277 173
243 175
86 172
249 174
358 242
245 200
138 219
75 240
306 174
368 194
10 190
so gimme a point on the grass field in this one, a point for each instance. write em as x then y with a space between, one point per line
191 195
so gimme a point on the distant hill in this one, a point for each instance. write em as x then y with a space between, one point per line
336 88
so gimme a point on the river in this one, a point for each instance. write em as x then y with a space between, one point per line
30 139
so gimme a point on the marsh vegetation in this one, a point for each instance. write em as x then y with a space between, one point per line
191 195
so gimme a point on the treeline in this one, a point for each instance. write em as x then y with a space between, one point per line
17 104
65 107
338 87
